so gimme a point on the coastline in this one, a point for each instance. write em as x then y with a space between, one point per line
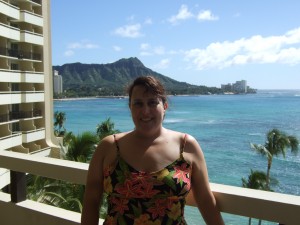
88 98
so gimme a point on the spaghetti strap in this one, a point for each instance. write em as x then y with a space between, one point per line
117 145
183 145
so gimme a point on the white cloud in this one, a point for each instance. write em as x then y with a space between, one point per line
206 15
129 31
148 21
144 46
163 64
82 45
183 14
68 53
117 48
282 49
160 50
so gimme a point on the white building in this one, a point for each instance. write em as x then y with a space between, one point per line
26 106
57 83
237 87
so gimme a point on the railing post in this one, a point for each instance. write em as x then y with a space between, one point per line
17 186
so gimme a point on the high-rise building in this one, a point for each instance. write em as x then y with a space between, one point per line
26 106
57 83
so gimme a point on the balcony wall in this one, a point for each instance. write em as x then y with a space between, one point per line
280 208
33 135
10 141
32 38
21 77
21 97
31 18
9 32
9 10
36 96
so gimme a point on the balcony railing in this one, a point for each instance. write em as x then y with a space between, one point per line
276 207
20 54
37 1
15 115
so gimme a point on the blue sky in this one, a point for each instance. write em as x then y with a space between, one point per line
200 42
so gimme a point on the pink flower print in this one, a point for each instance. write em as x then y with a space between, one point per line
120 205
182 175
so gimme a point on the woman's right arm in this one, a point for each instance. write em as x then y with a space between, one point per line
94 186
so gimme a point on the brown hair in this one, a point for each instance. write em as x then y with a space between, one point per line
151 84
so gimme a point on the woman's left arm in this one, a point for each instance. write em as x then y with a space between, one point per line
203 195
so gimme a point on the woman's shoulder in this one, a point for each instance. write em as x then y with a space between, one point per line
187 138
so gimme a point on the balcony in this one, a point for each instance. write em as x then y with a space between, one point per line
10 141
280 208
30 37
9 10
17 76
18 97
33 135
9 32
17 115
28 17
19 54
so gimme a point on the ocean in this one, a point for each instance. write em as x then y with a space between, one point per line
224 125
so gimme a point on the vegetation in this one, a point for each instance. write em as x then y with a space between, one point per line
277 143
78 148
82 80
59 120
106 128
256 180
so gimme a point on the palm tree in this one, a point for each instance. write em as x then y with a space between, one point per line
106 128
81 147
54 192
60 119
76 148
276 144
256 180
59 193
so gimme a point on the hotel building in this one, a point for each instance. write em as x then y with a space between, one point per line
26 119
26 106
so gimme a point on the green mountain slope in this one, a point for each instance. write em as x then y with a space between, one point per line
112 79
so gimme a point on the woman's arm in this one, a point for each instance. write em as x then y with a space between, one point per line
203 195
94 186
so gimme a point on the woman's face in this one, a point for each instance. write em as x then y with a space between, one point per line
147 110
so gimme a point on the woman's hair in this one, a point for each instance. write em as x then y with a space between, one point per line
151 85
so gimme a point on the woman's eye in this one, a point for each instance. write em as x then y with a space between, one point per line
153 103
138 104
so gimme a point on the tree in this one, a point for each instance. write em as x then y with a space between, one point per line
59 193
256 180
78 148
106 128
59 120
81 147
276 144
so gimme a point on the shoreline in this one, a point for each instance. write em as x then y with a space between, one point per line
88 98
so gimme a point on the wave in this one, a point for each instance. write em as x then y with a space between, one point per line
255 134
174 120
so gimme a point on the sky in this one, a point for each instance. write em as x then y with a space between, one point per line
199 42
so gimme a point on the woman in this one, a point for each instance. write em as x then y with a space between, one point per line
148 172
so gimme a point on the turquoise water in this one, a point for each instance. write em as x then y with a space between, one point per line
224 125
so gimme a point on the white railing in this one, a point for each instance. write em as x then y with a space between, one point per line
276 207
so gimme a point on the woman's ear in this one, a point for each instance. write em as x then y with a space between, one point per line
166 105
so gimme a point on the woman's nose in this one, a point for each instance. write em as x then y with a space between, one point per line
145 109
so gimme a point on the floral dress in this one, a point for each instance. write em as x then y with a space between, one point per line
140 198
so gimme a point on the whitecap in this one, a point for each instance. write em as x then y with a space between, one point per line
254 134
173 120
